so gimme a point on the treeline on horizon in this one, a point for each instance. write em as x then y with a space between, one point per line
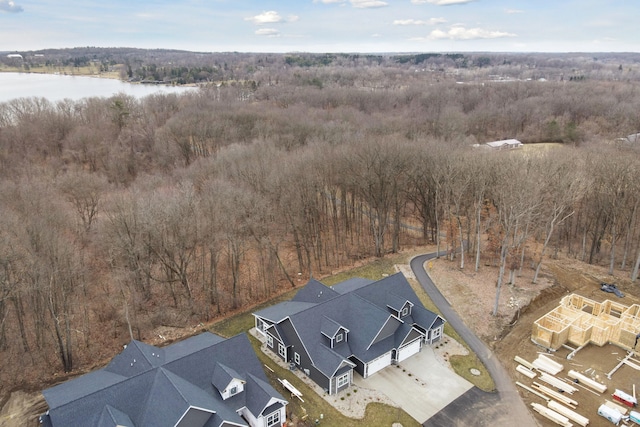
182 67
121 215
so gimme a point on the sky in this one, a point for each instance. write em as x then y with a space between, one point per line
363 26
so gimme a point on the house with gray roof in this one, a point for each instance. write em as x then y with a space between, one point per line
357 326
203 381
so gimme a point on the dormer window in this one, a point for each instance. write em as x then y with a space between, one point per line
339 338
233 390
405 311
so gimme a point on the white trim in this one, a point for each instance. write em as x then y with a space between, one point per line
346 376
296 357
278 421
282 350
386 356
300 339
410 347
391 316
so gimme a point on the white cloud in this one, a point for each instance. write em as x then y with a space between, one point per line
293 18
513 11
368 4
10 6
269 17
458 32
441 2
358 4
269 32
432 21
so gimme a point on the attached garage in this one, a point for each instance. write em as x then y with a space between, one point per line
377 364
409 350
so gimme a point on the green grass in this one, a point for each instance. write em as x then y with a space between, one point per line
377 414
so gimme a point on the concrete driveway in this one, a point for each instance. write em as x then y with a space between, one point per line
430 387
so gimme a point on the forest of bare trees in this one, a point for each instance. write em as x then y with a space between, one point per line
119 215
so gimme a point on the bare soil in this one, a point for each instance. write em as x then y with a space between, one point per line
473 294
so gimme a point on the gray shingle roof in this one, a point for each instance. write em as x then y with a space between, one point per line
284 309
164 393
223 375
362 307
314 292
351 285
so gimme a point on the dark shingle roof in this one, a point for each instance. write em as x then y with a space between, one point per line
351 285
282 310
314 292
162 394
223 375
362 307
111 417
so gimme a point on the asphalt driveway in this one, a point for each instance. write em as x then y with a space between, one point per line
422 385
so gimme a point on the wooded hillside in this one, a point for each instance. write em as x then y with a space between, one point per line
120 215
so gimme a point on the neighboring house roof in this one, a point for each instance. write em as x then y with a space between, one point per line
362 307
510 143
314 292
150 386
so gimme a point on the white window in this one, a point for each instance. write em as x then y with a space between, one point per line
296 358
436 333
233 390
338 338
269 340
282 350
405 311
273 419
342 380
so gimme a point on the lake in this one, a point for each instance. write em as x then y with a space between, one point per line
59 87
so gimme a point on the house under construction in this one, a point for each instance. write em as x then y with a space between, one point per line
579 321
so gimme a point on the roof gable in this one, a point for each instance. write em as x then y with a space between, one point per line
223 376
180 389
111 417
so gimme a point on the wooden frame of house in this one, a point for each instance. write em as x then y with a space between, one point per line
578 321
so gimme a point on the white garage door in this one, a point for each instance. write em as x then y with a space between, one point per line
376 364
408 350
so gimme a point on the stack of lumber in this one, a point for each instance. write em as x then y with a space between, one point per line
526 371
559 384
572 415
543 363
555 395
599 387
557 418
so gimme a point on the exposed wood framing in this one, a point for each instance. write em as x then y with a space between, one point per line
579 321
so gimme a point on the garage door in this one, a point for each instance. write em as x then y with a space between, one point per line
408 350
380 363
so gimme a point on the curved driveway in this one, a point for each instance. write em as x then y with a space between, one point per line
476 407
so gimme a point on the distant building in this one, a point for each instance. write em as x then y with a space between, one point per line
505 144
634 138
14 56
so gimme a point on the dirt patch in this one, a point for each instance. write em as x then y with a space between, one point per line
473 296
22 409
